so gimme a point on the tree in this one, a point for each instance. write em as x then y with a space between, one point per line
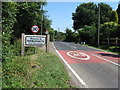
114 17
18 18
46 24
52 34
28 14
105 13
71 36
8 20
108 30
85 14
87 34
118 12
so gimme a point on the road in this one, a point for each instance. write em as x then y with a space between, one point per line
96 68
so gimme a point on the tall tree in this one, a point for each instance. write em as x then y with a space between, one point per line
108 29
114 17
8 20
85 14
29 14
88 34
69 35
118 12
105 13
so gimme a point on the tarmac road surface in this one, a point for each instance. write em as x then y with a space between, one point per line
96 68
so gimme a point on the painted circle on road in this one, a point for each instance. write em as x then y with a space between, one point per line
78 55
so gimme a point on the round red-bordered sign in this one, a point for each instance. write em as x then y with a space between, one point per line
35 29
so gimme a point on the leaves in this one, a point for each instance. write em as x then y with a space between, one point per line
85 15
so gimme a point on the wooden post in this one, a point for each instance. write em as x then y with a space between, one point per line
22 45
47 43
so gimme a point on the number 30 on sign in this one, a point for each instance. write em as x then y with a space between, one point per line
35 29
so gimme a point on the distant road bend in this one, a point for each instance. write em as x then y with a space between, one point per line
97 69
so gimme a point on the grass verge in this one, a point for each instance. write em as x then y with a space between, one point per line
111 49
40 70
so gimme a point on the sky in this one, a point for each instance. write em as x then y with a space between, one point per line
61 13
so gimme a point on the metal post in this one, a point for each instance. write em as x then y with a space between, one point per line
99 26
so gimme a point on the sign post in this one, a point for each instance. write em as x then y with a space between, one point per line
34 41
47 41
22 46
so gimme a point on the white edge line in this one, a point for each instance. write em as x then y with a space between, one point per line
106 60
76 75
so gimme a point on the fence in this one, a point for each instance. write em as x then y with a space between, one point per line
111 41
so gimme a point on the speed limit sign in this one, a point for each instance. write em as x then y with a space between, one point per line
35 29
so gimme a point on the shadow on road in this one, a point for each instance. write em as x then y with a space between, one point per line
111 55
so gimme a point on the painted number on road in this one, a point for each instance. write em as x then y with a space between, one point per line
78 55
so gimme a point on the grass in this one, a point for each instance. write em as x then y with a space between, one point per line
40 70
111 49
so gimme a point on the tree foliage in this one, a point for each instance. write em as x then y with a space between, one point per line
8 20
114 17
109 30
105 13
118 12
85 21
85 14
30 14
88 34
71 36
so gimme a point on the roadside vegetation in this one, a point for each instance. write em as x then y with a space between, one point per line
40 70
111 49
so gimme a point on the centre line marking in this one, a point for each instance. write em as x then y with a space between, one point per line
73 46
71 69
106 60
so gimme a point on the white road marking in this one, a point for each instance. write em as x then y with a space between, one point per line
67 44
77 55
76 75
73 46
106 60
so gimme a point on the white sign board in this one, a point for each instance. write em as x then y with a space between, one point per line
34 40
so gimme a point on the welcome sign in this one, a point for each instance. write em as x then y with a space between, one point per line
35 40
